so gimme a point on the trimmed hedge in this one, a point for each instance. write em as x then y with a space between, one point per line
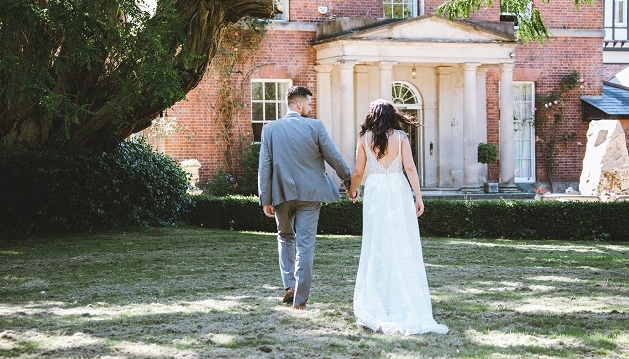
443 218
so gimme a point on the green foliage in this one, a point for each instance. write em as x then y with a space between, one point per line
487 153
82 190
248 183
530 23
221 184
90 72
448 218
105 65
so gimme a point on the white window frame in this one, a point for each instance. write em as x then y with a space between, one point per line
283 17
391 3
620 11
524 136
279 102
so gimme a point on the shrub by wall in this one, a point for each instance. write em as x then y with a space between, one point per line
442 218
78 190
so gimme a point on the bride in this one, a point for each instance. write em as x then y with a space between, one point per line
391 293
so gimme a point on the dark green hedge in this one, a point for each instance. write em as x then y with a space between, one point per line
79 190
443 218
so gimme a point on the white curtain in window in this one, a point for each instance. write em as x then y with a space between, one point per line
523 106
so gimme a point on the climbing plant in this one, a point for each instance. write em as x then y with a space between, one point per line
233 66
549 122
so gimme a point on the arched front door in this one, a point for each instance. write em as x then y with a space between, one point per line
407 99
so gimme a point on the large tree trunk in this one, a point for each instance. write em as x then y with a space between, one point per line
91 109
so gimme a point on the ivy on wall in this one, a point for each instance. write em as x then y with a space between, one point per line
550 121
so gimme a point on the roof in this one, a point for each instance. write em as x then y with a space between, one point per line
612 104
431 28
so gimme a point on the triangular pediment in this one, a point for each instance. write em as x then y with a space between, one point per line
429 28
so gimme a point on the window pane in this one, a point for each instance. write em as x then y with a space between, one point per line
279 10
256 91
281 91
388 13
257 131
257 111
269 91
270 112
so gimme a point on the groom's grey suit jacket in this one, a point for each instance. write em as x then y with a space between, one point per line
292 162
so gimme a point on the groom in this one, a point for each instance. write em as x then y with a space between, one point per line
292 183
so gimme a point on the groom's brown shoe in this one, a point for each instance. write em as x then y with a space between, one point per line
288 296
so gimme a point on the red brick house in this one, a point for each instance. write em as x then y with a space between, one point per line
466 81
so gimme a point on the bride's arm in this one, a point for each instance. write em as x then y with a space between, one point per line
411 173
359 168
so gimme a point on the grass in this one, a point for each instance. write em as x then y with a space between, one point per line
196 293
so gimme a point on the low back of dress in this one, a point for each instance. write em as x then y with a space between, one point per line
373 166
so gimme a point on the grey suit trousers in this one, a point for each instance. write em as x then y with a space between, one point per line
296 234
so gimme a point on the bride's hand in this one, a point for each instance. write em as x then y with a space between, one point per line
419 207
353 195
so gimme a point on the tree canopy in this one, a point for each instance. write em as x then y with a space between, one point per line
88 73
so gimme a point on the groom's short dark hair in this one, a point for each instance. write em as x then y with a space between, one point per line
296 92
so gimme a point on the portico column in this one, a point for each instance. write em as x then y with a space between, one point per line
348 116
470 140
443 146
324 96
386 77
324 110
507 156
481 128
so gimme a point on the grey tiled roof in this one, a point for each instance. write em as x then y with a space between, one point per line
614 101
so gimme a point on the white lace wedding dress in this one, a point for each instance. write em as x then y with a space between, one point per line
391 293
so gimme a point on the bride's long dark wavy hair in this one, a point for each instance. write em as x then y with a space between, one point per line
381 120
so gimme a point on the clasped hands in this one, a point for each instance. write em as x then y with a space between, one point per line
353 196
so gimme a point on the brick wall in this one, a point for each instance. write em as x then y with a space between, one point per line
548 64
283 55
562 14
306 10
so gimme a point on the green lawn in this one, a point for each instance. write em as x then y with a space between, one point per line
197 293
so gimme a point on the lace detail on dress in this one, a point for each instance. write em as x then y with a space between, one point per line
373 166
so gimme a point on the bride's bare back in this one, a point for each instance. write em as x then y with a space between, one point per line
392 151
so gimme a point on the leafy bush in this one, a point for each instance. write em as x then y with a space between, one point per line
248 183
222 184
45 190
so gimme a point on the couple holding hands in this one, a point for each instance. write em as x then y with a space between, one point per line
391 293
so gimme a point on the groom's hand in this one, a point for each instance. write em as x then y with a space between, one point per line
269 210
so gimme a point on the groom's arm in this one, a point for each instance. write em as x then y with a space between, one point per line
333 157
265 173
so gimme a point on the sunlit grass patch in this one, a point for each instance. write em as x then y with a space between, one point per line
192 292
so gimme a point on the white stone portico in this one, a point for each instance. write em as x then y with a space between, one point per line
443 65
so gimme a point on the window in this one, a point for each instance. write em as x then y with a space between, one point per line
280 10
399 9
620 13
524 126
508 11
407 100
615 23
267 103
